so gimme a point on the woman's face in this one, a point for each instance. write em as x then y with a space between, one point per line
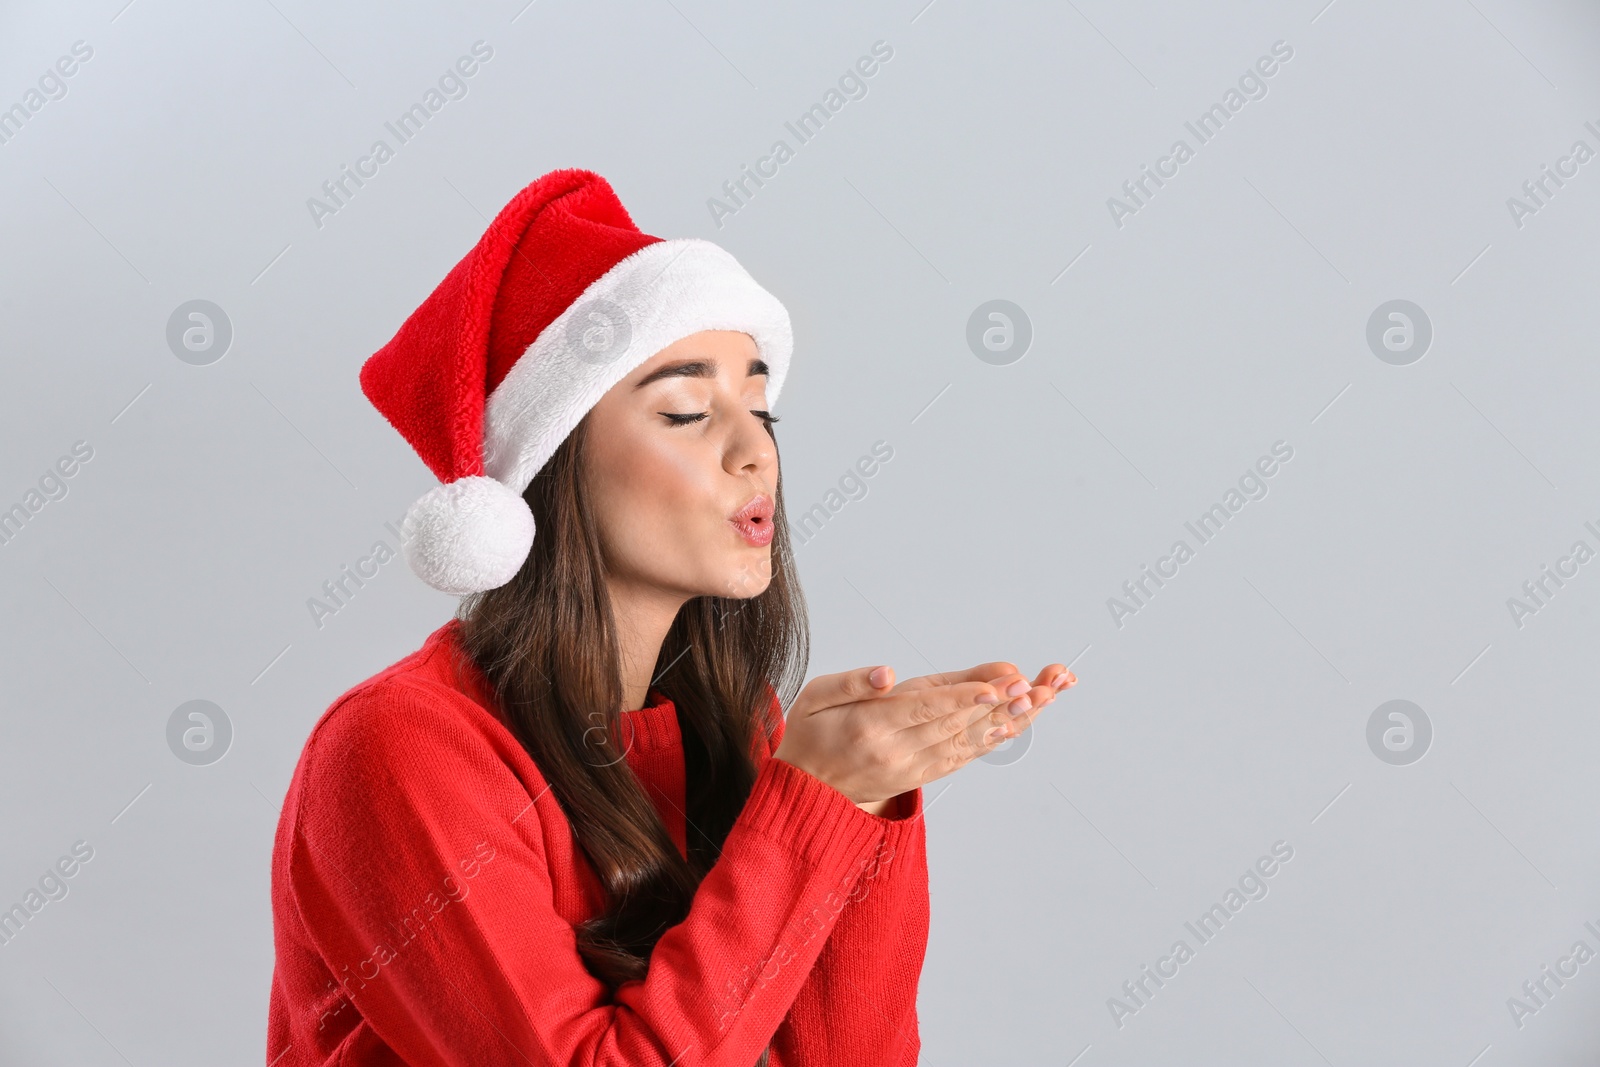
667 490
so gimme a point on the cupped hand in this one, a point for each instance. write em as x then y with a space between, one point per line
872 739
1026 699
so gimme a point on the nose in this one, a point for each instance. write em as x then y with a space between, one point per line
750 449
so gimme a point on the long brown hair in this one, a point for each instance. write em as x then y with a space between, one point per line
547 643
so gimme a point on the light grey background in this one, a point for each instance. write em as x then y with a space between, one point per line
1229 313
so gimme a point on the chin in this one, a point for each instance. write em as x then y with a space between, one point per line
750 575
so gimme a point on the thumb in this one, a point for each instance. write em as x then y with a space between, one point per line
847 687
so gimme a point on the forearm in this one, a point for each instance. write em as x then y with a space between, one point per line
858 1006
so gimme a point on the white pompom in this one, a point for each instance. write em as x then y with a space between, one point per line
468 535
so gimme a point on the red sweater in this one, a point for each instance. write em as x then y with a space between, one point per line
425 886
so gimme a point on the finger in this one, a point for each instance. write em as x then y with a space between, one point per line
942 713
1006 724
1056 676
1013 717
967 742
1021 695
958 709
1024 709
992 737
983 672
1017 694
913 718
1041 698
847 687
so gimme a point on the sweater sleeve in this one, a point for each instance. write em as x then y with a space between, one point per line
869 968
419 866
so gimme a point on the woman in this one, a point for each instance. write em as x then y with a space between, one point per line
574 827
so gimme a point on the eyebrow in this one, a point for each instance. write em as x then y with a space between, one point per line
696 368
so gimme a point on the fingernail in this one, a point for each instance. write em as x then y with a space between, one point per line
1019 706
1017 688
1059 680
996 734
988 696
879 678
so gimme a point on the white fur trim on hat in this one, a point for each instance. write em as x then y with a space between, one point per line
660 294
468 535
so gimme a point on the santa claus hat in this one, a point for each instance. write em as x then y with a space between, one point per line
561 299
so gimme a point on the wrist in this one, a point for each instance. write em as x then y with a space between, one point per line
875 807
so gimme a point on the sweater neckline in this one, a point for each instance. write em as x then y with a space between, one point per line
646 729
652 727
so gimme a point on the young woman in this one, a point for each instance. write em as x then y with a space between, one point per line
575 826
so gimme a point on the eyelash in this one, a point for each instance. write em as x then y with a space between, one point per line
688 420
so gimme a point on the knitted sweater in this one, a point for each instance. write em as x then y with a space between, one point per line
426 885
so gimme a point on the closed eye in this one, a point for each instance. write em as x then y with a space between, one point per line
694 417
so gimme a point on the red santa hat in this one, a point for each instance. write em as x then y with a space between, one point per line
561 299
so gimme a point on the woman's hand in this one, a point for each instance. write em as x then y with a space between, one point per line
873 742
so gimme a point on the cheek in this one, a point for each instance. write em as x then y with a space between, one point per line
661 499
673 477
